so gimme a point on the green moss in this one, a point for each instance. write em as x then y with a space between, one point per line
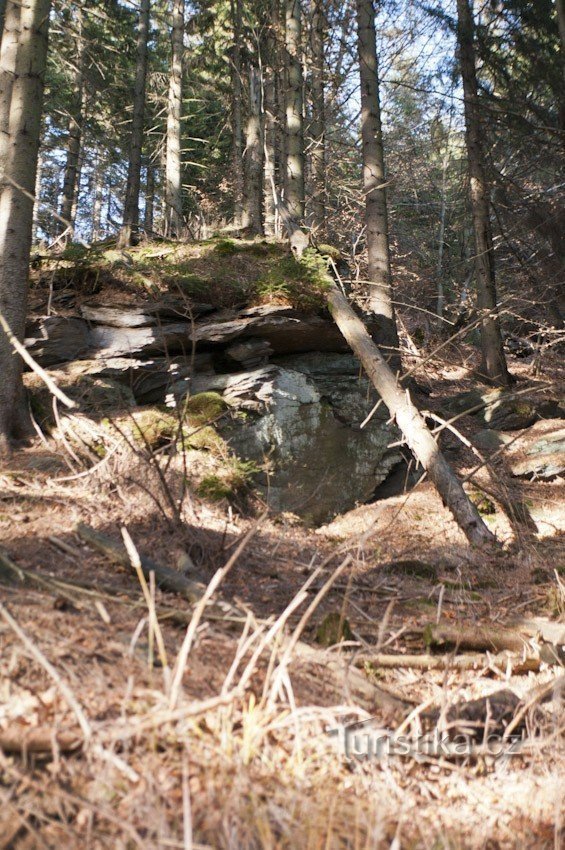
214 488
484 505
333 629
204 407
330 252
225 247
302 282
229 482
154 427
205 439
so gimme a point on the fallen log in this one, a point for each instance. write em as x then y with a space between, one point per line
409 419
165 577
39 741
474 638
477 661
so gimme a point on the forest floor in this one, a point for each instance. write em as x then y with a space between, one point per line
130 717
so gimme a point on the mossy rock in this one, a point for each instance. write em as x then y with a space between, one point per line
232 480
205 438
204 407
333 629
153 427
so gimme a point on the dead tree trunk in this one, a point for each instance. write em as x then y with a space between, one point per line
374 180
493 366
409 420
130 227
22 69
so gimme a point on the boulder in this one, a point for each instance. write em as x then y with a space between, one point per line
173 338
502 410
56 339
538 453
302 426
286 330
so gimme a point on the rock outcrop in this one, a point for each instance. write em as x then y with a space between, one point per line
296 399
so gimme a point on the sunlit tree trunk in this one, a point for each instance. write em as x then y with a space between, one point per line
374 180
493 365
22 69
252 218
37 197
270 134
294 111
173 167
280 66
318 124
130 228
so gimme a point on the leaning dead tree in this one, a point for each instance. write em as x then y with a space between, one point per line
401 407
409 419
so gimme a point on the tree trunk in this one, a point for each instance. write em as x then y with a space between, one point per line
294 107
27 25
149 211
97 200
173 168
409 420
252 218
318 124
281 85
74 137
237 122
130 229
560 4
376 215
2 17
493 365
37 198
270 133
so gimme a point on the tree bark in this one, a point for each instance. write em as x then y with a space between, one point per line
409 420
560 5
294 188
130 227
74 137
237 121
37 198
252 217
493 363
22 74
149 211
2 17
318 123
173 168
97 200
270 133
374 179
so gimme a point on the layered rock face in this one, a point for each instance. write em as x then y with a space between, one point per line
297 400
